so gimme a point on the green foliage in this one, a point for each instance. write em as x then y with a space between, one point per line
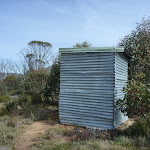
37 56
138 42
62 146
141 127
35 81
40 43
2 88
3 111
137 98
11 82
83 44
4 98
12 105
24 100
7 134
35 114
53 82
39 114
36 99
12 122
134 142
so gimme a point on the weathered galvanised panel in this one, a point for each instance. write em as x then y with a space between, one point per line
90 82
121 76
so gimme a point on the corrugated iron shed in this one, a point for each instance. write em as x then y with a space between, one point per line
91 80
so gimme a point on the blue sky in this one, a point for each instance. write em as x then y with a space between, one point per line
66 22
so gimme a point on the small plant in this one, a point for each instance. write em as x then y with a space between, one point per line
123 141
12 105
4 98
6 133
36 99
3 111
27 121
58 131
24 100
35 114
12 122
141 127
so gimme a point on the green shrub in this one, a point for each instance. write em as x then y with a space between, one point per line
123 141
7 134
54 103
39 114
3 111
35 114
62 146
24 100
141 127
137 98
12 105
11 82
4 98
12 122
36 99
35 81
2 88
26 111
51 91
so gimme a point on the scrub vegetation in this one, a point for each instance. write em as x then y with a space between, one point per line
29 96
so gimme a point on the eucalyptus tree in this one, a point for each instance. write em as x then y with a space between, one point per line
37 55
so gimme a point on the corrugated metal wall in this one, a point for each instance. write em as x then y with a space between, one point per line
87 89
121 77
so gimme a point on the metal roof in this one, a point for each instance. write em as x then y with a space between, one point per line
95 49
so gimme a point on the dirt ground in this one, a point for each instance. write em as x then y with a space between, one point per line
34 131
31 134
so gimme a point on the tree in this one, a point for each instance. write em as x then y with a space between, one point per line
38 55
35 81
137 97
11 82
53 82
83 44
138 42
7 67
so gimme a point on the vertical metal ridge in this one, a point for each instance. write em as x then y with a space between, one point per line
121 76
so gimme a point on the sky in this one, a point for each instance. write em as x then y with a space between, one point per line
66 22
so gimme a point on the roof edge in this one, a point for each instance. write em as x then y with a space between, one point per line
119 49
91 49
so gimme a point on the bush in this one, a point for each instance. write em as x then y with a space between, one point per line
11 82
12 122
35 81
36 99
12 105
138 42
39 114
2 88
3 111
52 87
24 100
7 134
35 114
137 98
141 127
4 98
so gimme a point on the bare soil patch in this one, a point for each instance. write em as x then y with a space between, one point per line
31 134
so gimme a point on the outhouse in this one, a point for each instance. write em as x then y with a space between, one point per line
91 80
